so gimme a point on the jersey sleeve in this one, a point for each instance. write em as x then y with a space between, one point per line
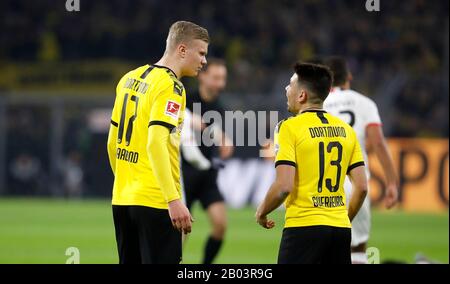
159 157
284 146
168 106
356 159
371 113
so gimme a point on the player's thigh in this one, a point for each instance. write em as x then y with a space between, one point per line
159 241
339 252
209 193
303 245
171 250
191 184
217 214
127 237
170 241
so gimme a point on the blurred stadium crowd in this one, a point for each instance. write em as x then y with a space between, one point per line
398 56
403 48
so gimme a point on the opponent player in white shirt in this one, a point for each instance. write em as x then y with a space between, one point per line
362 114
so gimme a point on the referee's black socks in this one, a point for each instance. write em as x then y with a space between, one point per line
212 247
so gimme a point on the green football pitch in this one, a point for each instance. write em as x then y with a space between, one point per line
41 230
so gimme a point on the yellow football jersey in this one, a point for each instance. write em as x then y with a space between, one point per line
323 149
148 95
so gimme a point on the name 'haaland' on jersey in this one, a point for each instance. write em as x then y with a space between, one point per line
133 157
128 156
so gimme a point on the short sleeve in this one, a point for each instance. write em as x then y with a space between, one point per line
356 159
168 106
284 146
371 113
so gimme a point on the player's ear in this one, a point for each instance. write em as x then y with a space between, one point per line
182 50
302 97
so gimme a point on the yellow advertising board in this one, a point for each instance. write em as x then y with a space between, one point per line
81 77
422 167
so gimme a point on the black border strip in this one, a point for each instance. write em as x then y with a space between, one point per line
162 123
285 162
355 165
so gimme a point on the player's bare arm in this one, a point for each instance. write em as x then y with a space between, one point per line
377 142
277 194
359 183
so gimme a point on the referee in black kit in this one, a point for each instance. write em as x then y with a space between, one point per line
199 184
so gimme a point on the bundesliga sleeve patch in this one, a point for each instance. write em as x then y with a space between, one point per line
172 109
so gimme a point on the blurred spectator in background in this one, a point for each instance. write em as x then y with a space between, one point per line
25 172
405 43
73 175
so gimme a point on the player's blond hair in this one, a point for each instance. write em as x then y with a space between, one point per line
183 32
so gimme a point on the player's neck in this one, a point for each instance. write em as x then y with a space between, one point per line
170 63
310 107
345 87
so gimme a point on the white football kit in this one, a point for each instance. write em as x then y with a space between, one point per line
360 112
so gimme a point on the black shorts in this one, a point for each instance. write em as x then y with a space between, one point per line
201 186
315 245
146 235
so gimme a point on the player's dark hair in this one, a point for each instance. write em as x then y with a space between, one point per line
316 78
339 68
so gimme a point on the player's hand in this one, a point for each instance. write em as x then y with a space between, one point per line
180 216
263 221
391 196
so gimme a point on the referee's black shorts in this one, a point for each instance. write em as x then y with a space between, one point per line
315 245
146 235
201 186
